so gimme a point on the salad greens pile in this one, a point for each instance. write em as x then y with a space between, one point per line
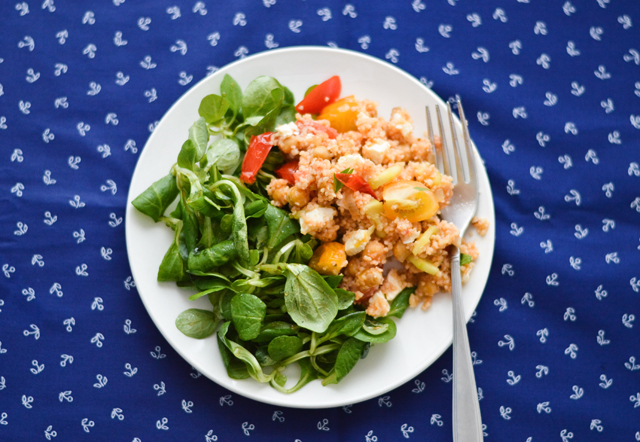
248 257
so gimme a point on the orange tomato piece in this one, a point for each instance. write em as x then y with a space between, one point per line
342 114
329 258
410 200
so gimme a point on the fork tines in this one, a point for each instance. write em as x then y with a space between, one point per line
454 161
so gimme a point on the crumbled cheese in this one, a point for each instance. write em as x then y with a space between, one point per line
409 238
378 305
355 241
287 130
316 219
402 125
393 285
376 151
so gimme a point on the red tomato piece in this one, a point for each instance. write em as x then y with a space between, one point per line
287 171
257 152
330 131
356 183
325 93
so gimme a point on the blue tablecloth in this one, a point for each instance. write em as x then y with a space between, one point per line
552 91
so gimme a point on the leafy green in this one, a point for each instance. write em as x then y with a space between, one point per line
348 356
187 155
230 90
400 302
388 334
247 314
465 259
197 323
274 329
346 325
217 288
212 257
374 327
154 201
236 369
282 347
190 228
223 153
213 107
262 96
280 226
307 374
199 137
240 352
206 233
345 298
310 301
333 280
172 265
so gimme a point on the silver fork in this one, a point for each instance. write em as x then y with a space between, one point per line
460 165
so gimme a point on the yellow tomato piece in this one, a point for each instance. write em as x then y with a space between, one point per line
329 258
386 176
410 200
342 114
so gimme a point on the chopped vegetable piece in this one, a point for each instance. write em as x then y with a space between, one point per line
465 259
320 96
423 264
257 152
374 209
287 171
386 176
342 114
329 259
424 239
355 182
402 199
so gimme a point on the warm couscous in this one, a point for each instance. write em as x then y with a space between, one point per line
377 249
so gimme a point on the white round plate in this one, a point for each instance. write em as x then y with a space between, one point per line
422 336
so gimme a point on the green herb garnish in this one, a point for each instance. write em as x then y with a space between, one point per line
465 259
337 185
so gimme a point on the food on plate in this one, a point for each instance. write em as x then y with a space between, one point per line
307 226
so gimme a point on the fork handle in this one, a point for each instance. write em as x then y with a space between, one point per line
467 423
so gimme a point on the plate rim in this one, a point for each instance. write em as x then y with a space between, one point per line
129 210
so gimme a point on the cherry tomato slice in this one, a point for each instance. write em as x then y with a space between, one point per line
410 200
257 152
325 93
330 131
287 171
356 183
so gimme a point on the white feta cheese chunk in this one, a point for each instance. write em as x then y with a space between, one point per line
375 151
393 285
357 240
411 236
401 124
316 219
288 130
378 305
